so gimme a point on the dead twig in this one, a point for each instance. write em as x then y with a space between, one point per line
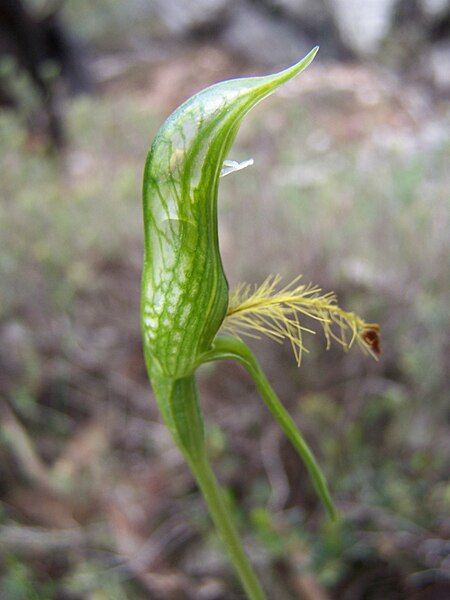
14 435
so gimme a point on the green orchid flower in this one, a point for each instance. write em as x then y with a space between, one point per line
186 304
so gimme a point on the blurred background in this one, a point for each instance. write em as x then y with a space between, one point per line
350 187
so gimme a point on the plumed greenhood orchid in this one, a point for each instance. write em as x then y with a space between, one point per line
185 290
186 303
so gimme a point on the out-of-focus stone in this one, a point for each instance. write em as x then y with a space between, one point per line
308 11
262 38
312 19
435 8
363 25
181 17
440 66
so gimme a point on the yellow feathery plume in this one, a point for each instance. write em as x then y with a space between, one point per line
278 312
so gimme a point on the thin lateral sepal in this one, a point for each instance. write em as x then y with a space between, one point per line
228 348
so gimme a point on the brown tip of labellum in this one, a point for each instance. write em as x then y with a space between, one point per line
371 337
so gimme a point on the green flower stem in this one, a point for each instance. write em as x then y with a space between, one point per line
232 348
224 523
178 401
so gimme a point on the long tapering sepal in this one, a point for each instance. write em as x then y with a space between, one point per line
234 349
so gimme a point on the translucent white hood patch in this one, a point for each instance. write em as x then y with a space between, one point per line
231 166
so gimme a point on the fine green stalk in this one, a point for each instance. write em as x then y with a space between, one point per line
185 301
223 521
185 409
